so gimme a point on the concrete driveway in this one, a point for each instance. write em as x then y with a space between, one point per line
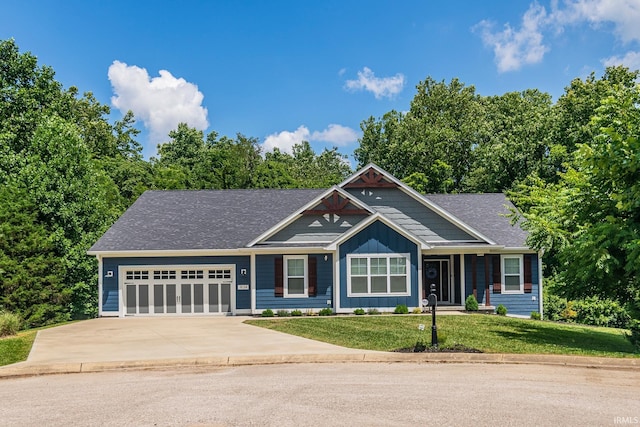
153 338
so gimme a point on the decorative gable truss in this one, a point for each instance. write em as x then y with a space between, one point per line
370 178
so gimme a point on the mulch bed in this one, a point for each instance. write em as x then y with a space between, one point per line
457 348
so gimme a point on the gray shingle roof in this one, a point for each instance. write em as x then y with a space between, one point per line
230 219
200 219
485 213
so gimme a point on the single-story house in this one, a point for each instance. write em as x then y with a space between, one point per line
369 242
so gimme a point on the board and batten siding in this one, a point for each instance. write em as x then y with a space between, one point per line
110 284
378 238
412 215
265 285
520 304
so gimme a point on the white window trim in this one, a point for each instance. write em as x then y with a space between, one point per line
374 295
285 276
503 274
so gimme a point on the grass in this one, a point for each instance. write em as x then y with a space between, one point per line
487 333
16 348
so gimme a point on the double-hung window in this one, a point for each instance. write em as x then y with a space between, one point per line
378 275
512 276
295 276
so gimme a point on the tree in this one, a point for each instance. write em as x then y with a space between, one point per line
436 137
31 269
516 143
576 107
591 217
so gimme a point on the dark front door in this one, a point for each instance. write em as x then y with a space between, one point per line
436 271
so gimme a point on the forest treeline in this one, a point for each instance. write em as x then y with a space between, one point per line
67 171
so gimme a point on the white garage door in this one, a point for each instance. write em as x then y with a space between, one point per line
178 290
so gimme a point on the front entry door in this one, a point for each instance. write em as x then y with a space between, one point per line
436 271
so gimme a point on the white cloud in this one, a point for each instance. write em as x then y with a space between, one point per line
623 14
514 48
160 102
334 134
285 140
630 60
379 86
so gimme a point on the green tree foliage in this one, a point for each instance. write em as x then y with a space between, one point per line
188 161
517 141
436 137
453 140
31 268
590 218
52 145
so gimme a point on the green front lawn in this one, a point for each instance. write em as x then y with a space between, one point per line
16 348
487 333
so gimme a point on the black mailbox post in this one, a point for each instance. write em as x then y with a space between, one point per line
433 302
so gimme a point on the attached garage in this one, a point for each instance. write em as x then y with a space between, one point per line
178 289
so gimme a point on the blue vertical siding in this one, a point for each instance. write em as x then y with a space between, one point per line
265 285
378 238
110 284
520 304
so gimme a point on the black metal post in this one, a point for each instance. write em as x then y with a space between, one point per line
434 303
434 329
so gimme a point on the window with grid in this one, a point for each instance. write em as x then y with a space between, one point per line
376 275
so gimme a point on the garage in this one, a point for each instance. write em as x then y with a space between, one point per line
178 290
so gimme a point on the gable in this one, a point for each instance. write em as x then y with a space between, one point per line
412 215
323 222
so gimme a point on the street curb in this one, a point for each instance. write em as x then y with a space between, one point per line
27 369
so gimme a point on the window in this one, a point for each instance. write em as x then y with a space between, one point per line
164 274
192 274
219 274
137 275
377 275
295 276
512 274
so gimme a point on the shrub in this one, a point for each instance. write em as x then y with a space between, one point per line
568 314
634 335
401 309
359 311
296 313
9 323
325 312
267 313
419 347
283 313
601 312
417 310
373 311
501 310
553 306
535 315
471 303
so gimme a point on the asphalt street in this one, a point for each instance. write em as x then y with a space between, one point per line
371 394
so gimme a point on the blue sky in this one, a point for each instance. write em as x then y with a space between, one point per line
283 71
